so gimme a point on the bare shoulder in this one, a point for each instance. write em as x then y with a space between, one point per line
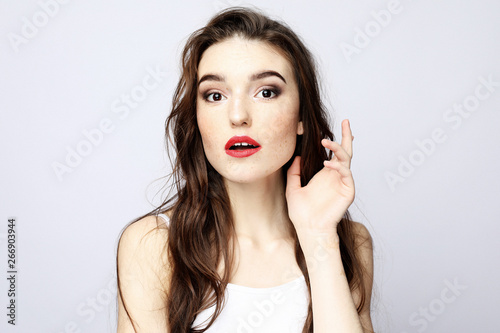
143 275
147 236
143 245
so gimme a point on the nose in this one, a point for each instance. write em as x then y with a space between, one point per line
239 112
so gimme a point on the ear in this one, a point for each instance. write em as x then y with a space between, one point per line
300 128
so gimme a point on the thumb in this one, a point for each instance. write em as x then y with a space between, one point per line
293 175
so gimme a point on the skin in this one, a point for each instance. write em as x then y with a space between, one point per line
230 103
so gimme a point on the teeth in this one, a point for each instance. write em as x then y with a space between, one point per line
239 144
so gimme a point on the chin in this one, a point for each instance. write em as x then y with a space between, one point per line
241 176
252 175
241 171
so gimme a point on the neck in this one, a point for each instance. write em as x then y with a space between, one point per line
259 209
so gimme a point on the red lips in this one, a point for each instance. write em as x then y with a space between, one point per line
243 138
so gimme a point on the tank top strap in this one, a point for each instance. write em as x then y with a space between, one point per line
165 218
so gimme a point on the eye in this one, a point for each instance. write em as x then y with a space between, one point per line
268 93
214 97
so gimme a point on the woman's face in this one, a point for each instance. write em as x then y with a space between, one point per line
247 88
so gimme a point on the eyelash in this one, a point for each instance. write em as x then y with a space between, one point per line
274 90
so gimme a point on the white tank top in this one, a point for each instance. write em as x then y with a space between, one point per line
276 309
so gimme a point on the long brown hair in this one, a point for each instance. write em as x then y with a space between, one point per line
201 222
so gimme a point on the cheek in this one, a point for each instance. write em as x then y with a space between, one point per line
281 129
281 137
287 137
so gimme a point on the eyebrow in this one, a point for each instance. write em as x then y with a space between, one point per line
254 77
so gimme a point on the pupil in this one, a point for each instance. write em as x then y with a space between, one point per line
266 93
216 96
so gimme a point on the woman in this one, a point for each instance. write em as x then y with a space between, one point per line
258 237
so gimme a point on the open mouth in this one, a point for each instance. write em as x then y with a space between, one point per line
241 142
242 146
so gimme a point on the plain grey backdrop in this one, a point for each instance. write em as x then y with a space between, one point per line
85 89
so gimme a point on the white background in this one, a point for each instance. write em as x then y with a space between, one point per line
435 227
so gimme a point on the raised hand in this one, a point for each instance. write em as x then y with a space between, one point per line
319 206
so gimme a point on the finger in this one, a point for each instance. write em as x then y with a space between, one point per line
338 151
293 175
345 173
347 136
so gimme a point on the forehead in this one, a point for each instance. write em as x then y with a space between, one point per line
236 56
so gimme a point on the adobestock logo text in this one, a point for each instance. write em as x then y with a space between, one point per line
31 27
